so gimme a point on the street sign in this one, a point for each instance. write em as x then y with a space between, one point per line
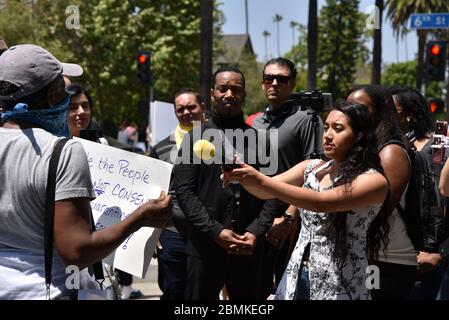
429 20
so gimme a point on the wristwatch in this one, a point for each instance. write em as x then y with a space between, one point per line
289 218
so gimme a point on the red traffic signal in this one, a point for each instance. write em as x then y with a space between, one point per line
435 69
436 106
142 58
435 49
143 68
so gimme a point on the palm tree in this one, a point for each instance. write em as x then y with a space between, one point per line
399 12
278 18
312 44
206 13
293 25
377 45
266 34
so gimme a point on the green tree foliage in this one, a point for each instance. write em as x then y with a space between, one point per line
341 50
106 44
339 38
403 74
255 99
246 61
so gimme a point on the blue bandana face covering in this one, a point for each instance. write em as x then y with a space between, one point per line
53 120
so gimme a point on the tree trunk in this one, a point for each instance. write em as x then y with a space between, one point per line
377 46
312 45
206 12
421 49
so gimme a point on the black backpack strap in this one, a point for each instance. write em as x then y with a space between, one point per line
97 266
393 141
50 212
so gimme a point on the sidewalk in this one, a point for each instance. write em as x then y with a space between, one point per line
149 286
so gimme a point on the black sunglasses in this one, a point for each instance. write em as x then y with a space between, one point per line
269 78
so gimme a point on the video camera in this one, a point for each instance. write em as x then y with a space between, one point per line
440 143
315 100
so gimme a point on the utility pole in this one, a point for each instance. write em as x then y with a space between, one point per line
206 12
246 17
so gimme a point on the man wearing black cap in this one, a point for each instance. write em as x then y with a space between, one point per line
35 104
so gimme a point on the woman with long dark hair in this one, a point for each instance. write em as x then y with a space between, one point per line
417 126
414 117
338 199
394 253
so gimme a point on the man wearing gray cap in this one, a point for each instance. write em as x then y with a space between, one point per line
35 105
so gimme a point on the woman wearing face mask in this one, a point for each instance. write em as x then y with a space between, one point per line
396 257
338 201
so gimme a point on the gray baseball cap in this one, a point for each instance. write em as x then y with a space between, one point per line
3 45
31 68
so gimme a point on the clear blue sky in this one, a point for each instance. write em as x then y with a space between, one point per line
261 14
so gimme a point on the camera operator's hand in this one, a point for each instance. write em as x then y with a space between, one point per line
279 232
155 213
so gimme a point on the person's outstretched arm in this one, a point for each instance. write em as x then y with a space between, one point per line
294 176
78 245
367 189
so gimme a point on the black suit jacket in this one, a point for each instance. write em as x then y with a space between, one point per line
209 206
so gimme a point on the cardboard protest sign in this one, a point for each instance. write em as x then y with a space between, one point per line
163 120
122 181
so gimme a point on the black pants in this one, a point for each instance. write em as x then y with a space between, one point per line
245 277
172 265
124 278
396 281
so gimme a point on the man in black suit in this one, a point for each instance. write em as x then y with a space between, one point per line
226 242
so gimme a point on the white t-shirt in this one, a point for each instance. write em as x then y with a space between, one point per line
24 158
400 249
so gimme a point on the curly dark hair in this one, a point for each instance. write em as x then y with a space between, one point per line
384 116
416 105
362 156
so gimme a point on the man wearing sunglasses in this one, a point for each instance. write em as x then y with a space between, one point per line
295 143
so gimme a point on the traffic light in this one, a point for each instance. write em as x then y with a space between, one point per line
143 67
436 61
436 106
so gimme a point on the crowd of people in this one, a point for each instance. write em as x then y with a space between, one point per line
310 229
